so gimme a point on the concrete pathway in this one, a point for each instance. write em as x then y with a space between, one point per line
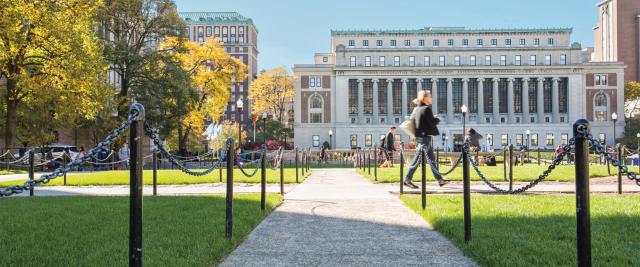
163 190
337 218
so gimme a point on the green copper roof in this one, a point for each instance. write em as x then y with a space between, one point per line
212 18
427 30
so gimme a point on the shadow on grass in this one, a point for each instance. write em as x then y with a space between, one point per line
94 231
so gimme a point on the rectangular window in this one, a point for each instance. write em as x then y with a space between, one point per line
396 94
551 41
536 41
479 42
392 43
503 60
534 139
465 42
546 93
601 79
472 60
365 43
564 138
494 42
352 43
563 59
547 60
519 140
427 61
382 98
549 139
507 42
441 61
523 42
407 43
353 96
381 61
518 60
504 139
312 82
456 60
412 61
533 96
354 141
368 140
532 60
436 43
421 43
367 61
450 42
353 61
379 43
396 61
487 60
316 140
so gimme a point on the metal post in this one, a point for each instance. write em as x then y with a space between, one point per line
136 141
581 129
369 162
438 159
31 170
229 196
401 170
538 156
510 167
620 161
64 162
281 172
423 192
296 165
303 160
155 173
375 163
466 188
504 163
263 178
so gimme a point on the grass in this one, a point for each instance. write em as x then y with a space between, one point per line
529 230
5 172
166 177
94 231
562 173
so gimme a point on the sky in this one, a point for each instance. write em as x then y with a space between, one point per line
291 31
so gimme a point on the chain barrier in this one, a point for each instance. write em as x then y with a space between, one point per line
417 161
46 178
435 169
153 134
556 161
595 144
253 172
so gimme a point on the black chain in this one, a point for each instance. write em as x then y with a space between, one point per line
153 134
46 178
263 148
435 169
556 161
595 144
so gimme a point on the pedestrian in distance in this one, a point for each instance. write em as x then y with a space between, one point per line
387 145
123 154
425 128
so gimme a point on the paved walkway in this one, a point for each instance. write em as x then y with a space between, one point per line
337 218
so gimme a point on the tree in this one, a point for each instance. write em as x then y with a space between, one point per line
631 98
270 92
228 130
130 29
52 63
210 72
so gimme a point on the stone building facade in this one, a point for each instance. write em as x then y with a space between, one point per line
512 80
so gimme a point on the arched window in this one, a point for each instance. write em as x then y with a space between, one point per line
600 107
316 104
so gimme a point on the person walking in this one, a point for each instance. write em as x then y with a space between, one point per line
425 128
123 154
388 147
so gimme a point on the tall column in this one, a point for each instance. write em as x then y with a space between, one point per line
404 99
540 100
465 92
450 100
434 95
480 100
496 101
525 100
419 81
376 119
360 101
510 100
390 101
555 101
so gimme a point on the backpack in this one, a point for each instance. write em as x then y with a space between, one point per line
383 142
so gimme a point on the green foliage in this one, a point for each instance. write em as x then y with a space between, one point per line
93 231
631 129
229 130
535 230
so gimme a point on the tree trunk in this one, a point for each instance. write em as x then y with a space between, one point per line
182 141
10 119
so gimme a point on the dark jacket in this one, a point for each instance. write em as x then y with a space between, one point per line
426 124
390 142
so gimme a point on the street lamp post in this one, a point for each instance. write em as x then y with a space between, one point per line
239 105
330 139
528 143
614 117
264 127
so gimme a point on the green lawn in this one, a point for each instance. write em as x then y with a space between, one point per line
527 230
4 172
563 173
94 231
167 177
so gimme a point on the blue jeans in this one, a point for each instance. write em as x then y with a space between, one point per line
415 164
